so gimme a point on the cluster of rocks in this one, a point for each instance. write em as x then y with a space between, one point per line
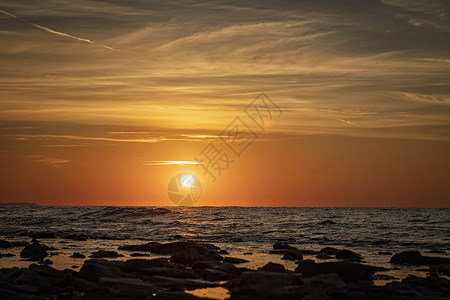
190 266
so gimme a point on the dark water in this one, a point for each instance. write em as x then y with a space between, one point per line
374 229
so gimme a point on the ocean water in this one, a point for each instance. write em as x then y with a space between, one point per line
236 229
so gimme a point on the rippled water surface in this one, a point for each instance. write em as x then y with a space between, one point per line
240 229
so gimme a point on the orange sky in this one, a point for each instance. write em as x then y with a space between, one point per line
94 94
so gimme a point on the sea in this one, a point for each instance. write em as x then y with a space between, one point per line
246 232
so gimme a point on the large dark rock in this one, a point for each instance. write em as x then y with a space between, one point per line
257 285
348 255
137 265
272 267
77 255
215 265
178 283
234 260
5 244
170 272
105 254
293 255
186 257
347 270
212 255
283 246
414 258
127 288
93 270
34 251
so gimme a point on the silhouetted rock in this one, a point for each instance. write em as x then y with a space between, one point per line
225 252
178 283
348 255
293 255
170 272
43 235
127 288
103 254
137 265
272 267
258 285
346 270
6 255
186 257
77 255
384 253
92 270
212 255
215 265
5 244
234 260
283 246
414 258
34 251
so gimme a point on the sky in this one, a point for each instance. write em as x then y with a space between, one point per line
103 102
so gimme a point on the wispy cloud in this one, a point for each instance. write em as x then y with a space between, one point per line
50 161
171 163
348 122
59 33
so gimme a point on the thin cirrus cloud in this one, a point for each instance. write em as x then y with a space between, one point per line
171 163
49 30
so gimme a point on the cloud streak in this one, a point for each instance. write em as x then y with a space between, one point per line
59 33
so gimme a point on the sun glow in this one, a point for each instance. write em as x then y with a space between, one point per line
187 180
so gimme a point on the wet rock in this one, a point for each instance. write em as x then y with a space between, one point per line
293 255
127 287
5 244
48 262
79 284
93 270
257 285
77 255
234 260
137 265
212 255
443 269
103 254
347 270
384 253
414 258
178 283
186 257
283 246
170 272
272 267
178 237
383 277
348 255
43 235
224 252
6 255
248 253
214 275
215 265
309 252
327 222
34 251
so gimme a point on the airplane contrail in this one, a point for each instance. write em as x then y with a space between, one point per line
49 30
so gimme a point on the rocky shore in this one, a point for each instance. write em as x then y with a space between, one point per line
194 270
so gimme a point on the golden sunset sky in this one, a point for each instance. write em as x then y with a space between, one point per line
94 95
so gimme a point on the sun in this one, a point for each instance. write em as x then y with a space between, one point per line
187 180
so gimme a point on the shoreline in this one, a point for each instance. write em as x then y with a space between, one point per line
184 268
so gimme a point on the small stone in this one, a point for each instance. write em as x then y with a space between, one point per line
77 255
234 260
